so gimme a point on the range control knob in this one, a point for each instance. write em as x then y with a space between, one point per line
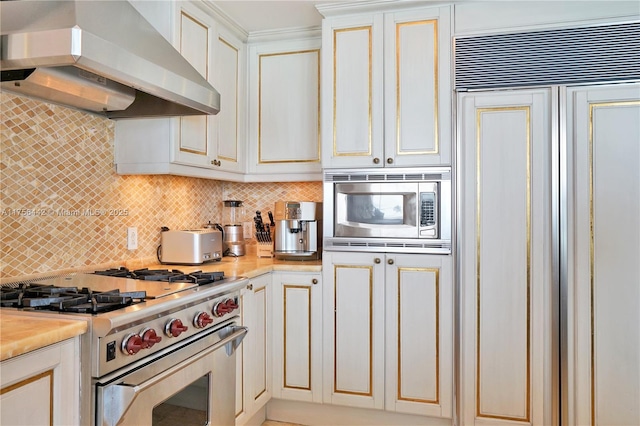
174 327
132 344
224 307
149 338
202 319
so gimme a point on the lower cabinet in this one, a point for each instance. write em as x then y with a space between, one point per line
297 331
48 379
388 332
255 375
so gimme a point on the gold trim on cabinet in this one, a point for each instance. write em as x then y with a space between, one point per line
233 160
264 326
335 32
436 271
479 112
284 358
29 380
592 249
436 147
335 330
260 160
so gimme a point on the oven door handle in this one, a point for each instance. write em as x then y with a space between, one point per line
119 397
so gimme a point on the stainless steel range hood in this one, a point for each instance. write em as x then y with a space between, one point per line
99 56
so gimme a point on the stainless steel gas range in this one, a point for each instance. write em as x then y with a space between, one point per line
160 343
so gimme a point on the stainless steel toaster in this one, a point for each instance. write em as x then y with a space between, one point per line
190 247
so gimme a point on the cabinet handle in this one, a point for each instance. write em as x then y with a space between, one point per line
376 160
389 160
314 281
376 260
390 261
249 286
216 162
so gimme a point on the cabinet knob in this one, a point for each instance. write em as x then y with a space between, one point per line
376 160
216 162
249 286
390 261
376 260
314 281
389 160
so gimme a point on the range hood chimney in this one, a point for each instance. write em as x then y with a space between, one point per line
101 57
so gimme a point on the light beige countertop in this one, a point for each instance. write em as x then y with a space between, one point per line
249 266
23 332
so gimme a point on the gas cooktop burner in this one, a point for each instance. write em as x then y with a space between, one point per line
67 299
172 276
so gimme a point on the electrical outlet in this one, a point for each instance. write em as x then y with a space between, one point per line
132 238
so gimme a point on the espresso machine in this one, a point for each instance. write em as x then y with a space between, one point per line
298 234
233 235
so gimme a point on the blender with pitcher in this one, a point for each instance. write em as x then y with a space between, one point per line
233 239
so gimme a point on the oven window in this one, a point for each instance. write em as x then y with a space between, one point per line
188 407
375 209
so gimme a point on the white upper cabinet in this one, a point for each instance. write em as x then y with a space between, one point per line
199 146
284 112
387 89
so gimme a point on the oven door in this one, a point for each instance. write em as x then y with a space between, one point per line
194 384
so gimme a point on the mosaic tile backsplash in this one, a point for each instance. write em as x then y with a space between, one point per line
63 207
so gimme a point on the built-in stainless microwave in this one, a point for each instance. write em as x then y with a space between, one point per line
397 210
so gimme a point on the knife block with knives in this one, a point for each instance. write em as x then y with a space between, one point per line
264 235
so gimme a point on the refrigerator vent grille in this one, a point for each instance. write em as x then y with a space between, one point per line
552 57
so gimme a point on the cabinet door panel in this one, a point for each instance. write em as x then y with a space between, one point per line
196 33
417 87
505 256
228 84
352 84
604 248
419 334
297 366
354 337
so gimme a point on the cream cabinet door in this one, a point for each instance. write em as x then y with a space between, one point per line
285 108
297 335
258 317
42 387
352 85
603 154
196 34
505 257
228 134
353 305
417 101
387 89
419 334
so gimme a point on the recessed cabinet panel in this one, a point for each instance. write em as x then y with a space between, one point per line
417 81
194 46
352 91
297 337
604 247
297 325
505 257
352 82
503 376
354 330
419 334
227 83
289 109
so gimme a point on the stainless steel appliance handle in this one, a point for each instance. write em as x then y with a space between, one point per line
118 397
